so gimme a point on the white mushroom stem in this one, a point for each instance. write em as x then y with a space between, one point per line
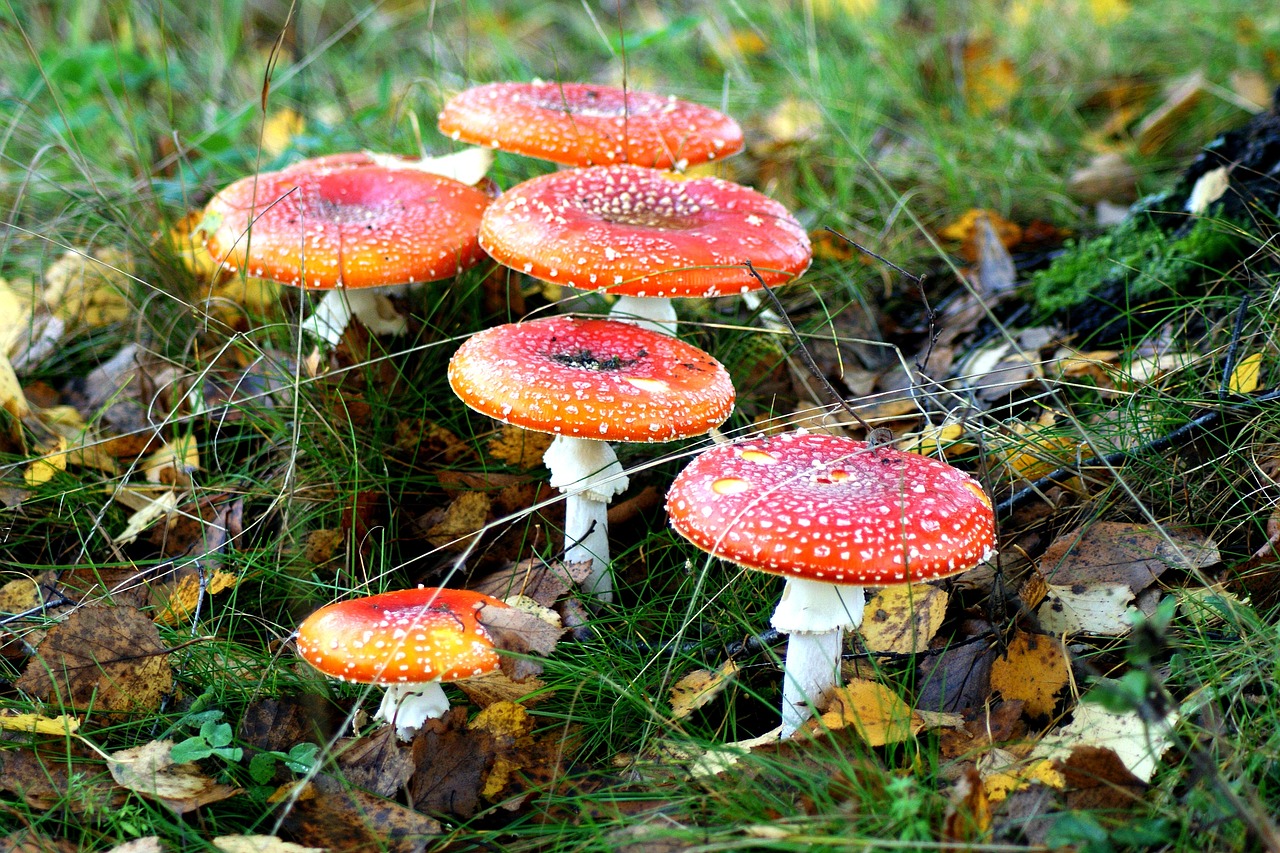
587 471
411 704
369 304
815 616
657 314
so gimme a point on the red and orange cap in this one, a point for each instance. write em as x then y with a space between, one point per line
346 221
592 378
640 232
579 124
834 510
401 637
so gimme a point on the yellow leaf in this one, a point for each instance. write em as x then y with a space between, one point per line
147 512
1002 774
464 517
1244 379
12 400
875 712
279 130
1033 669
844 9
990 82
182 601
15 317
935 440
700 687
53 460
89 288
174 462
902 619
39 724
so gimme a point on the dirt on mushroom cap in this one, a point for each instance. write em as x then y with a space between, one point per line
345 221
579 124
592 378
405 636
640 232
832 509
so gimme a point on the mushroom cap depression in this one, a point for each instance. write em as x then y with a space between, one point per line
346 221
834 510
579 124
401 637
592 378
640 232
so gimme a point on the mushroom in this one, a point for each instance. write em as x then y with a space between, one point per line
644 236
409 641
590 381
832 515
350 224
579 124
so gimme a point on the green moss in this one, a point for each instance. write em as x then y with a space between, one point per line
1138 256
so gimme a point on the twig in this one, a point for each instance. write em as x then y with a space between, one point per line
1233 350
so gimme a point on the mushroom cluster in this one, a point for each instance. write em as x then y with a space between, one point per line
832 515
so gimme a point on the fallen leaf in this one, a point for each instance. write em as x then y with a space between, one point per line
39 724
150 771
990 81
1158 127
146 844
151 510
73 783
328 813
451 764
968 816
1033 670
545 582
465 516
876 713
699 687
1101 609
182 599
173 463
969 231
903 619
378 762
51 460
520 448
521 633
1245 378
90 288
259 844
1003 773
1138 744
1210 187
110 658
511 728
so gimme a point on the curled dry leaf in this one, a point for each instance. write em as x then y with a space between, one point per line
110 658
699 688
903 619
522 633
150 771
544 582
1033 670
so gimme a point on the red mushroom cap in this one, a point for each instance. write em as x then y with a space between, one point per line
402 637
834 510
346 221
579 124
640 232
592 378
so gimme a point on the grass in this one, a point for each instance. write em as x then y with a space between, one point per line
119 119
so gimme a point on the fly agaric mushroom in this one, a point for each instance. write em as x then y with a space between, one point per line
590 381
350 224
409 641
644 236
579 124
832 515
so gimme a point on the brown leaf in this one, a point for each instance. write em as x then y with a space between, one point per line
968 817
1033 669
327 812
486 690
521 632
520 448
452 763
903 619
1096 778
31 841
544 582
511 728
1108 552
110 658
379 762
53 780
150 771
958 678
